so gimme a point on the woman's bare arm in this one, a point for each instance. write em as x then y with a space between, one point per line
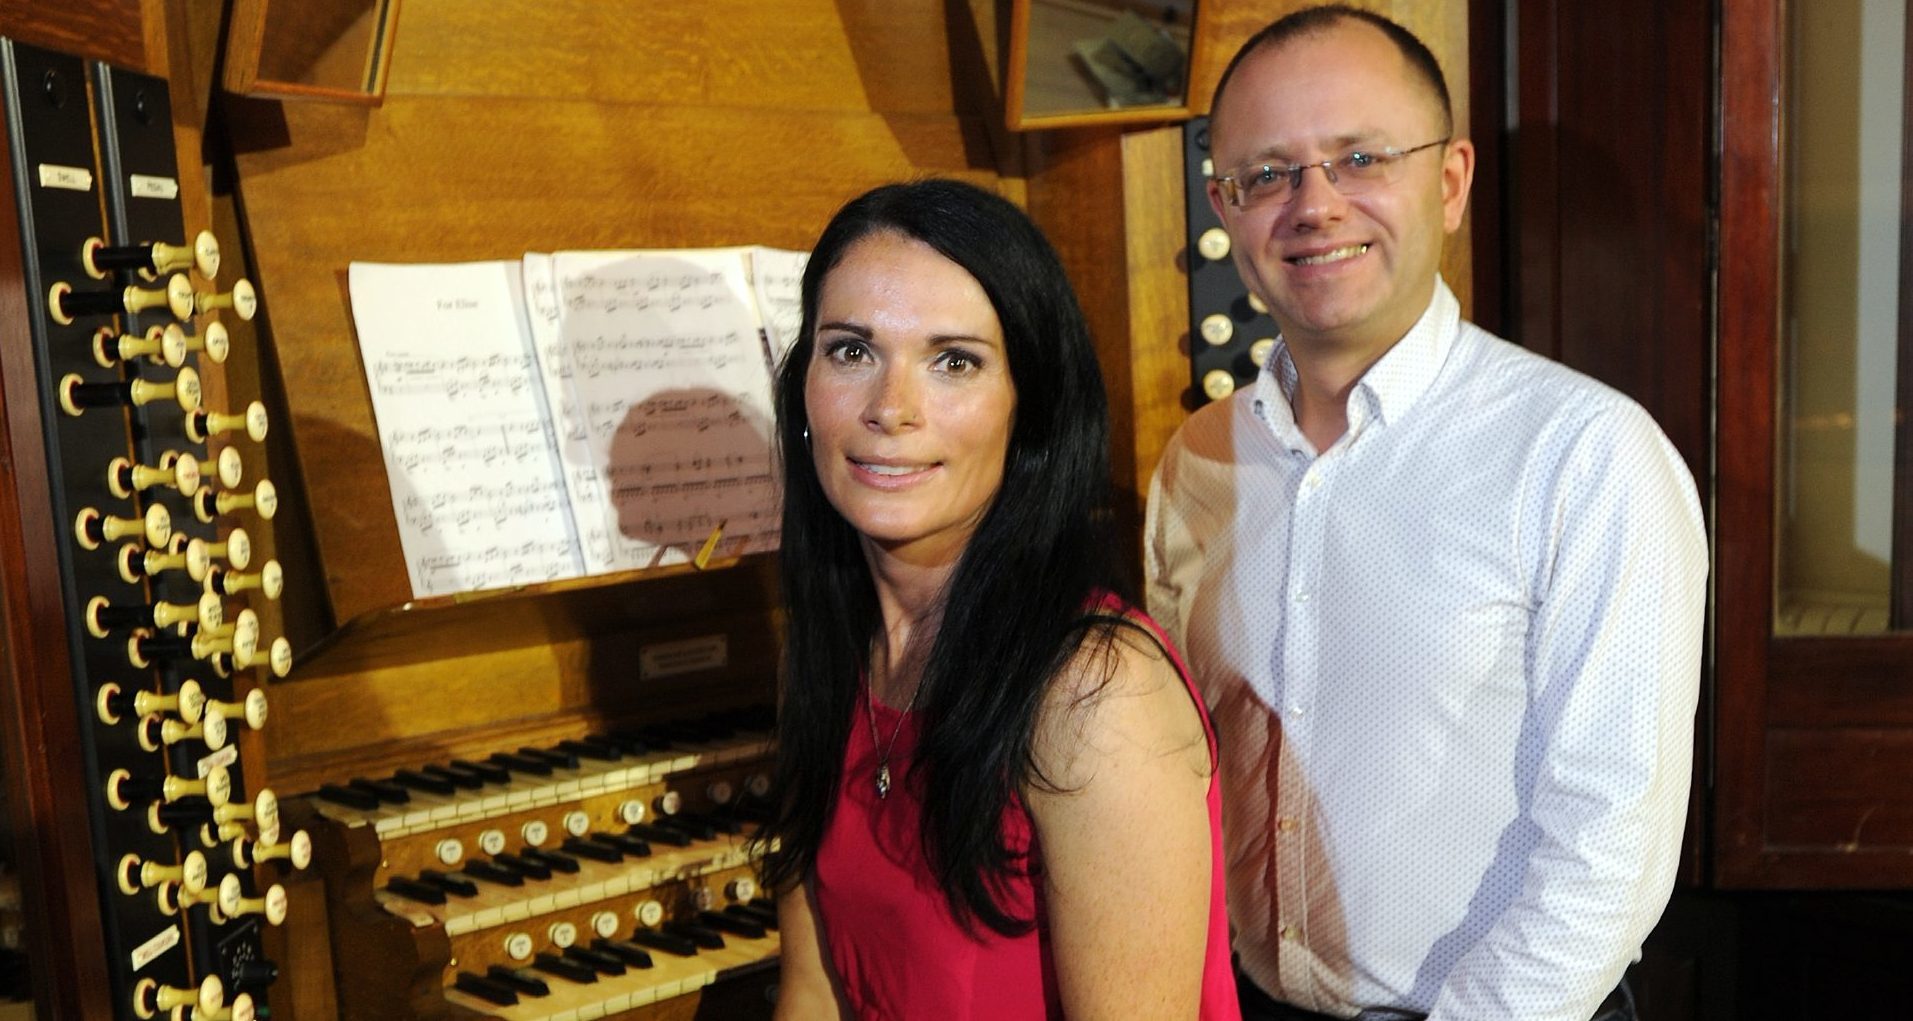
1125 836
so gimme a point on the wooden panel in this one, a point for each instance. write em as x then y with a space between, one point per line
1841 789
1441 24
1156 262
1854 682
109 30
1071 197
40 753
1749 260
853 55
1608 199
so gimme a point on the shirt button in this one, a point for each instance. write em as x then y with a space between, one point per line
1296 710
1287 824
1303 596
1290 933
1312 483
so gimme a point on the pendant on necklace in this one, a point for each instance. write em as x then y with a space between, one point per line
883 781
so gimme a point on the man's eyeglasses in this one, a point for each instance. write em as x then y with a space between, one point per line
1271 184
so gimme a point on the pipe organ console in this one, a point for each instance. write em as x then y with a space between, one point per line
147 487
589 878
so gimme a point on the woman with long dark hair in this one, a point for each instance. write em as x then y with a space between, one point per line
996 793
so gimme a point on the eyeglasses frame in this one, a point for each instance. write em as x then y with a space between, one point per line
1233 193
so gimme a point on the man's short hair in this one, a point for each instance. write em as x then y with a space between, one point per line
1315 20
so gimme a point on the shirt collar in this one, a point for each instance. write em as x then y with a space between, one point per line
1392 385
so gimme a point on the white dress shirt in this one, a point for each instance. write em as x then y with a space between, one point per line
1453 661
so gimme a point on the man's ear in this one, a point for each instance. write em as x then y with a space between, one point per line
1457 177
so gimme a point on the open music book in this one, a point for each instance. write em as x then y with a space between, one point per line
575 413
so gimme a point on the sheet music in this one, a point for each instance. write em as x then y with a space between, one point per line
654 368
777 274
469 449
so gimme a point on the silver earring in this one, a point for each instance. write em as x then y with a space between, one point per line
807 437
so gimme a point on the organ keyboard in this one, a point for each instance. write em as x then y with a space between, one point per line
588 879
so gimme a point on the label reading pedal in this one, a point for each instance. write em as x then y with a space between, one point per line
149 186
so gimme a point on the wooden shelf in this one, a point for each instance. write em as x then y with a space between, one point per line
468 623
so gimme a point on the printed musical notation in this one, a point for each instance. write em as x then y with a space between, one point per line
577 412
778 276
462 376
467 439
655 362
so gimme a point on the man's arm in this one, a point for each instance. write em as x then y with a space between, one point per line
1168 551
1614 670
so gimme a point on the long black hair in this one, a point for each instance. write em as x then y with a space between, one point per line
1018 604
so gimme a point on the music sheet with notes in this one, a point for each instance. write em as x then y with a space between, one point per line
658 378
469 451
576 413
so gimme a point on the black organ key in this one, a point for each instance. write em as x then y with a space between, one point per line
518 979
552 964
759 717
667 942
679 733
715 728
449 883
349 798
486 989
762 916
491 772
723 922
590 748
551 755
423 782
464 779
521 764
413 890
592 849
391 794
523 866
498 875
652 736
633 846
752 810
690 826
709 939
598 961
660 834
551 859
624 950
716 823
623 740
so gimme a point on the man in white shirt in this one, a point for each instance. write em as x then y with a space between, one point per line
1445 596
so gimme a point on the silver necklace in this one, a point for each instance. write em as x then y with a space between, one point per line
883 751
